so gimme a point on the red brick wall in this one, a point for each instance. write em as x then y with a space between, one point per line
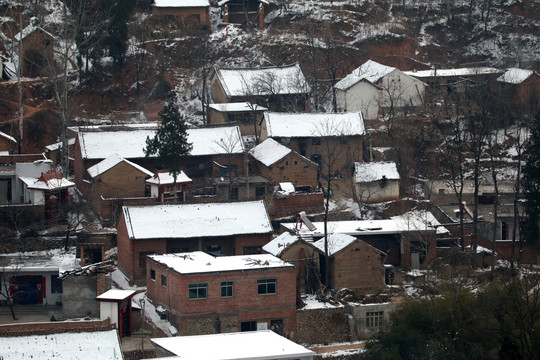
291 205
245 303
293 168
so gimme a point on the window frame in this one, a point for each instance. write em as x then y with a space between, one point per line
164 280
265 286
228 288
152 274
197 287
374 319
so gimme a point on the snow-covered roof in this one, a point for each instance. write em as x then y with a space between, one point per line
116 295
7 137
33 169
56 260
374 171
515 76
370 71
129 144
30 29
166 178
269 151
111 162
200 262
274 80
287 187
58 145
280 243
237 107
336 243
453 72
50 184
313 125
196 220
411 221
181 3
260 345
86 345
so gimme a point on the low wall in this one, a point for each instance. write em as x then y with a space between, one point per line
54 327
20 216
290 205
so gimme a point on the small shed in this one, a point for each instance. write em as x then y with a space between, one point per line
115 304
162 186
376 182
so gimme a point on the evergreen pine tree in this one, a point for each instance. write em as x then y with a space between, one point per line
170 143
531 184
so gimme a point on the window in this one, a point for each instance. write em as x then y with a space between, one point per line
259 191
374 319
56 285
248 326
315 141
152 274
266 286
226 289
142 258
197 291
163 280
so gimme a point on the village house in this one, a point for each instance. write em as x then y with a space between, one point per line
353 263
319 137
408 240
33 279
221 294
217 152
376 182
260 345
37 50
443 82
245 12
278 88
116 177
162 186
373 87
189 11
115 305
247 116
281 164
217 228
521 86
8 144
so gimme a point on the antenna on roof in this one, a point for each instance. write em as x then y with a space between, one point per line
301 218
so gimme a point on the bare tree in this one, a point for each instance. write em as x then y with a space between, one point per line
233 145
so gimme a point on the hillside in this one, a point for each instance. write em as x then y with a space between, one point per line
327 39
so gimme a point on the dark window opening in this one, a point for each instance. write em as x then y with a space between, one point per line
248 326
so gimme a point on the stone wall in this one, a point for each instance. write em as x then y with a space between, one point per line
322 326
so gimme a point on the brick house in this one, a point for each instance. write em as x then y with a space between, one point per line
409 240
376 182
162 186
218 228
353 263
251 11
281 164
279 88
225 293
197 11
217 152
116 177
522 86
37 48
319 137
